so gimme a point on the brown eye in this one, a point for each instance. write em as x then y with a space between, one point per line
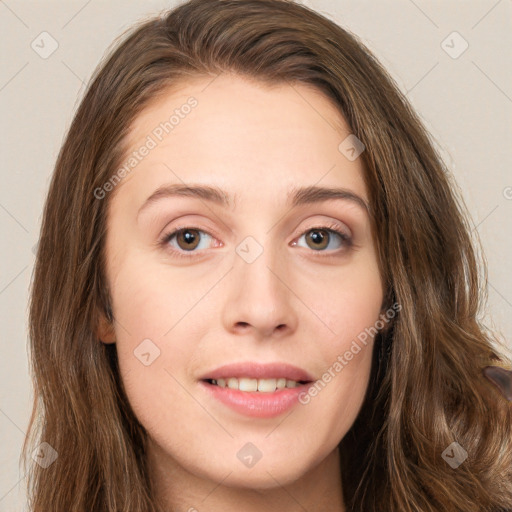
188 239
321 238
317 238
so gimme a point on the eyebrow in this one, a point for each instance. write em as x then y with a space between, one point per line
296 197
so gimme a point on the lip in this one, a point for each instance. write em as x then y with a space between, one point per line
255 370
254 403
258 404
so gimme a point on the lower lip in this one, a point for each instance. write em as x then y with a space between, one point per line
257 404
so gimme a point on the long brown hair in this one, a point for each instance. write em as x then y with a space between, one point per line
426 389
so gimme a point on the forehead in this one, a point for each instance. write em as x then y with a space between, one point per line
244 136
242 99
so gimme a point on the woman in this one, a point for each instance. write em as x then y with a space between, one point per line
255 287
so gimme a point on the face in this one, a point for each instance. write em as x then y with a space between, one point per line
279 284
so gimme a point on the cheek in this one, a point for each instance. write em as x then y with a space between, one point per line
155 332
152 300
345 300
350 320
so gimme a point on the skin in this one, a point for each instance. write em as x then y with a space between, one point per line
256 143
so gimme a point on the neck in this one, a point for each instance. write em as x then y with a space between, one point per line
176 489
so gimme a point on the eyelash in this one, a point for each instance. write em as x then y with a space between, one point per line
346 240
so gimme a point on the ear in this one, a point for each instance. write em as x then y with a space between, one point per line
105 329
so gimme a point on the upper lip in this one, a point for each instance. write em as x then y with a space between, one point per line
259 371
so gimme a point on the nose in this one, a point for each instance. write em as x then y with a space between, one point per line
259 300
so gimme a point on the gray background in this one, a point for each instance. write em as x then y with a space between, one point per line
465 103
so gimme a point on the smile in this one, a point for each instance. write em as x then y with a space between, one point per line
262 385
255 389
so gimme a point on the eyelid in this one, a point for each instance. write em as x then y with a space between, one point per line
184 226
328 225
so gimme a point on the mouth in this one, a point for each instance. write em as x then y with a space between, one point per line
257 390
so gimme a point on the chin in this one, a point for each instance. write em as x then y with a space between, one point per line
261 477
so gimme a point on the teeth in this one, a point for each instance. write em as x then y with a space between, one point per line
281 383
262 385
233 383
266 385
248 385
